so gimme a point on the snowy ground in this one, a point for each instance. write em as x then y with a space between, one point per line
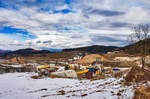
22 86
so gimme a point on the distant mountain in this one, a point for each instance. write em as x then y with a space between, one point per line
51 49
134 48
131 49
64 53
54 50
4 51
95 49
25 52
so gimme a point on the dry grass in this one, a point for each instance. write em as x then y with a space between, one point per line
142 93
137 74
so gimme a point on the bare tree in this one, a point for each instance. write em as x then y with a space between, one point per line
140 33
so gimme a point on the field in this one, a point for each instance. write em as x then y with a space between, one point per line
22 86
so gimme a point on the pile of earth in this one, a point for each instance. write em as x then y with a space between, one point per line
89 59
15 60
137 74
142 93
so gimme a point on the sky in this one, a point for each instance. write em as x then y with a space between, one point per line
59 24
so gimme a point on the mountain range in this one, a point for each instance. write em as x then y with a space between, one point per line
132 49
95 49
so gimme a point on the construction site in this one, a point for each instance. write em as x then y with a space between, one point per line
74 49
112 75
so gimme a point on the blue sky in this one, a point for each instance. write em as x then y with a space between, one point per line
59 24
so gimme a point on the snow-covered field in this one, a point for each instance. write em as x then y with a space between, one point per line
22 86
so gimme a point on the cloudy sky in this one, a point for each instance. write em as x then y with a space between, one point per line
58 24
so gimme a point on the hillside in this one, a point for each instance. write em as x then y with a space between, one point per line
45 53
95 49
25 52
37 56
100 49
136 47
131 49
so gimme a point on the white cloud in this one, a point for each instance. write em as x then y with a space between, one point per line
47 26
137 15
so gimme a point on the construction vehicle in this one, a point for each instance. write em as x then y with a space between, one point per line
45 70
83 72
72 71
42 67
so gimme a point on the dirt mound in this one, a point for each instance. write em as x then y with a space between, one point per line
88 59
19 60
137 74
142 93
